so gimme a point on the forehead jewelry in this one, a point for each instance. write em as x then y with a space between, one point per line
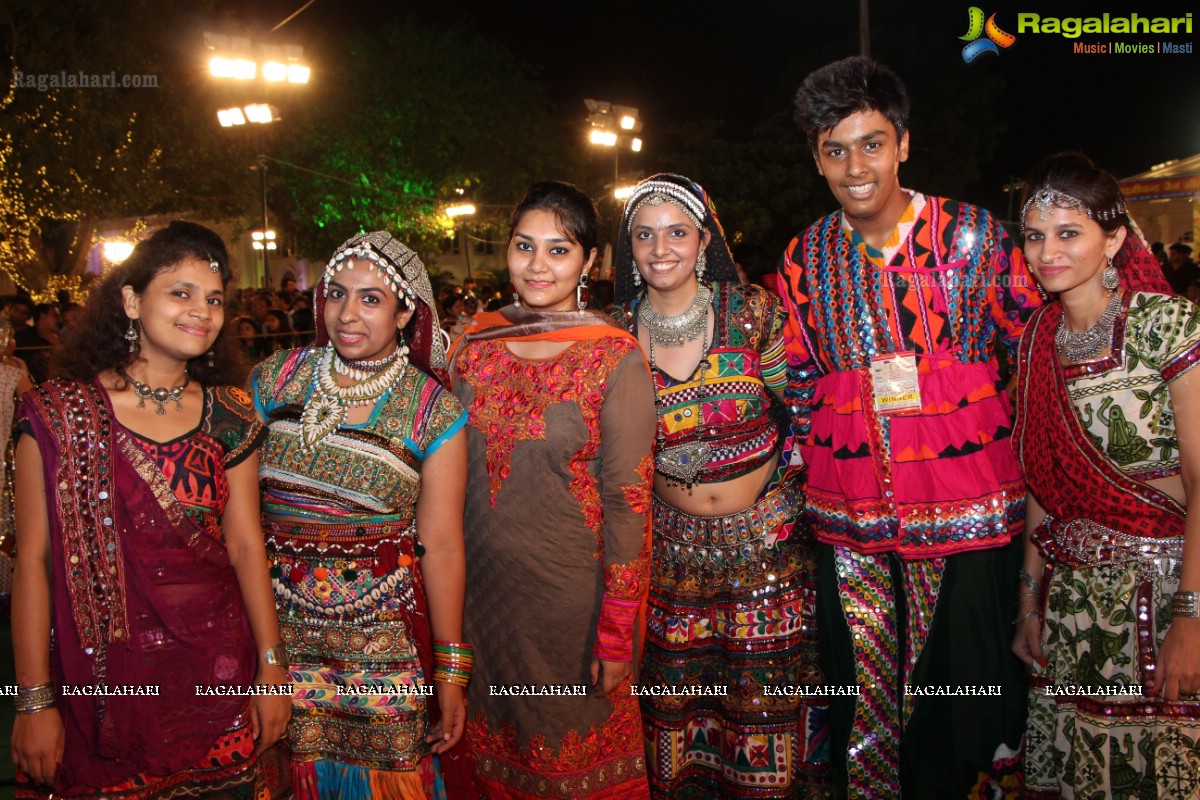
655 193
1047 199
345 259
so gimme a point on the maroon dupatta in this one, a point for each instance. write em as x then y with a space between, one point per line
1064 469
144 601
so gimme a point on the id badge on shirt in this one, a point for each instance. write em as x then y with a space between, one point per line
894 379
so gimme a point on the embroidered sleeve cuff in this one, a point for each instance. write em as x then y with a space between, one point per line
614 634
1181 363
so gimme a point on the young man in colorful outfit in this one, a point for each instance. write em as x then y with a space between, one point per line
914 494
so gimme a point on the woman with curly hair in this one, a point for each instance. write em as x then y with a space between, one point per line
139 546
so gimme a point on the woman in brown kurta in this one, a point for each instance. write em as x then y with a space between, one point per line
558 497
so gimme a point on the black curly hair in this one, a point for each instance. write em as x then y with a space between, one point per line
838 90
96 341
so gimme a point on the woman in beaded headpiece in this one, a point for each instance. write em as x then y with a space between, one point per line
557 519
729 547
363 476
141 576
1108 433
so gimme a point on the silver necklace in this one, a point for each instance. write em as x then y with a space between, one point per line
681 328
326 407
1088 345
683 462
160 395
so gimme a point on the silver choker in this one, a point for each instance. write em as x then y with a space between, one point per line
159 395
681 328
1088 345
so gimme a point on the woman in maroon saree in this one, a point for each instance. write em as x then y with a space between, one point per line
142 608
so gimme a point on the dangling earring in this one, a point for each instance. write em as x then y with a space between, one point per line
1109 279
581 293
637 276
701 263
516 299
212 362
132 337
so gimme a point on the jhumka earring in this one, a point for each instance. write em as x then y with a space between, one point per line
701 263
516 299
132 337
637 276
1109 279
582 294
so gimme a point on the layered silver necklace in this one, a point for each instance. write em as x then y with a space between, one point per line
681 328
1088 345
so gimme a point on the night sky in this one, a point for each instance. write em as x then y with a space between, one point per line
737 60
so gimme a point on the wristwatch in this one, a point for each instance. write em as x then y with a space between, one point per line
276 656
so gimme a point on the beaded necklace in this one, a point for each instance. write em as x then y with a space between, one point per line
326 407
362 369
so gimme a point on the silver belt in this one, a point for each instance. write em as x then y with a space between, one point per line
1090 544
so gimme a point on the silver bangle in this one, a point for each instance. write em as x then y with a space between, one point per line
276 656
1026 580
32 699
1026 615
1185 604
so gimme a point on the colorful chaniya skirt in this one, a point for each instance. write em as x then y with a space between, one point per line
1091 733
352 613
730 639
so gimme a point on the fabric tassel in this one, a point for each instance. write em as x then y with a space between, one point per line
339 781
430 770
304 780
385 785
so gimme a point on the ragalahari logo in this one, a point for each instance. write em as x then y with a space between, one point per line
976 28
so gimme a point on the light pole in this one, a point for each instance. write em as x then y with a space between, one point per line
268 241
259 114
463 210
613 126
234 58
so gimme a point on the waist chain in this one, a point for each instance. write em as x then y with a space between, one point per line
719 544
1081 543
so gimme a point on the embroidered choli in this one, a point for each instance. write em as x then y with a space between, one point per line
1123 399
725 402
375 465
